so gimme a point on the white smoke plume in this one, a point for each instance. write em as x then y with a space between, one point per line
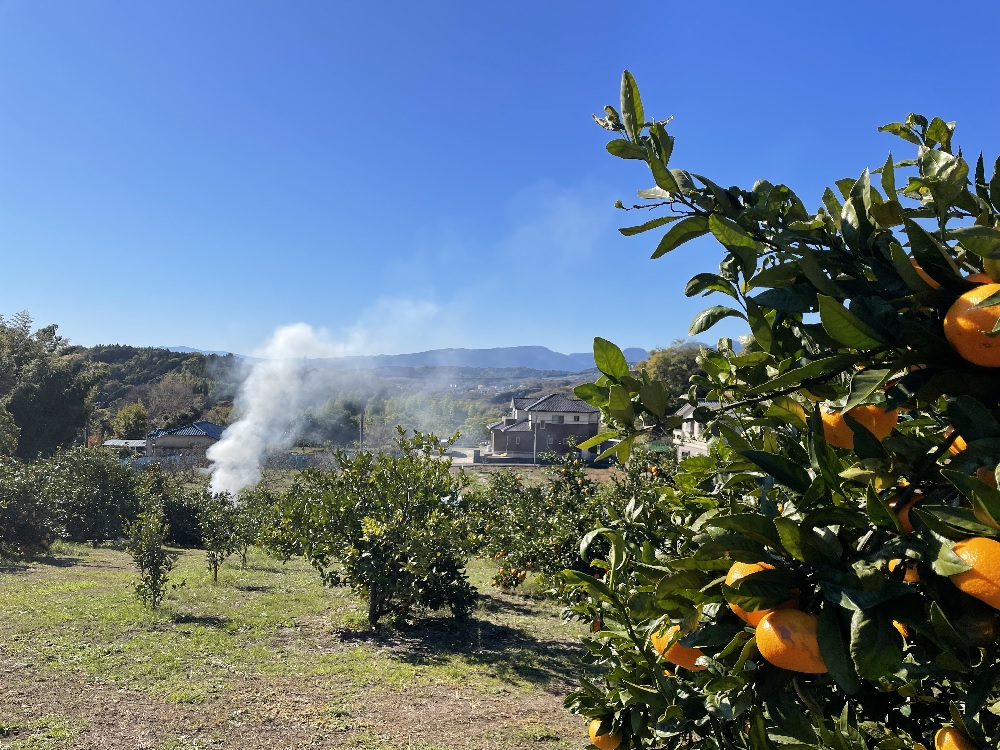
276 392
283 384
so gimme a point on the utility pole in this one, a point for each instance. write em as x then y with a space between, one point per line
534 443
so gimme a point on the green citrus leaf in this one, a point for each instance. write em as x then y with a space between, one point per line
833 646
815 369
651 224
864 383
632 114
593 394
684 230
845 327
654 397
784 470
752 525
598 439
972 420
709 282
609 359
626 149
662 176
876 646
709 317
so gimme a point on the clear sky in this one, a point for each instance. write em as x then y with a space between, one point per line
408 176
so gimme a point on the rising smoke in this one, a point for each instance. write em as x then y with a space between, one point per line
282 385
278 389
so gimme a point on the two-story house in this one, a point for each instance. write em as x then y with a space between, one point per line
691 438
539 425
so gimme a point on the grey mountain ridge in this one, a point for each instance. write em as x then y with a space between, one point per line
533 357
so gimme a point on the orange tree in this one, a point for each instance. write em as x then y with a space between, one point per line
537 528
392 526
873 568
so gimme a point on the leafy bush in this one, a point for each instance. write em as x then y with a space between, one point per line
537 529
864 535
146 535
26 522
90 493
217 523
391 526
254 507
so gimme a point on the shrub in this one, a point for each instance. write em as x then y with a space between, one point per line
217 514
537 529
26 522
90 493
146 535
391 526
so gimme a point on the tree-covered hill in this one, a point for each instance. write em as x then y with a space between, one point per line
173 387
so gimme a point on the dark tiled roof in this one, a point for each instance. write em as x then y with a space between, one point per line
494 425
524 426
523 403
558 402
156 433
199 429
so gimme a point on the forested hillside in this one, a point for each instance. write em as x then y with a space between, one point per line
124 391
174 388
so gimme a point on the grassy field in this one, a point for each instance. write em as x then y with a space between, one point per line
268 658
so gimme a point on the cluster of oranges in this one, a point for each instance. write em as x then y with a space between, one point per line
967 327
787 637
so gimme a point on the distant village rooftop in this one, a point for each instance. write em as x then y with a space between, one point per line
551 423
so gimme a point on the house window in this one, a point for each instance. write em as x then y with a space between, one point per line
550 440
517 441
558 419
576 417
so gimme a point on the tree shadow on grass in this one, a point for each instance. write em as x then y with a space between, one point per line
57 561
13 566
495 605
21 563
508 653
208 621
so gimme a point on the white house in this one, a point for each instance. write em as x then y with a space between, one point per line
690 438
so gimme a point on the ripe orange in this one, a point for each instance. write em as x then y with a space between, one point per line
910 575
875 419
949 738
903 511
958 444
924 275
982 580
740 570
608 741
683 656
788 639
966 328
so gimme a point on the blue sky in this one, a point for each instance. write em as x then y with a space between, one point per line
407 176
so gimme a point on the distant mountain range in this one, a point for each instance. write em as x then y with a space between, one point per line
534 357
